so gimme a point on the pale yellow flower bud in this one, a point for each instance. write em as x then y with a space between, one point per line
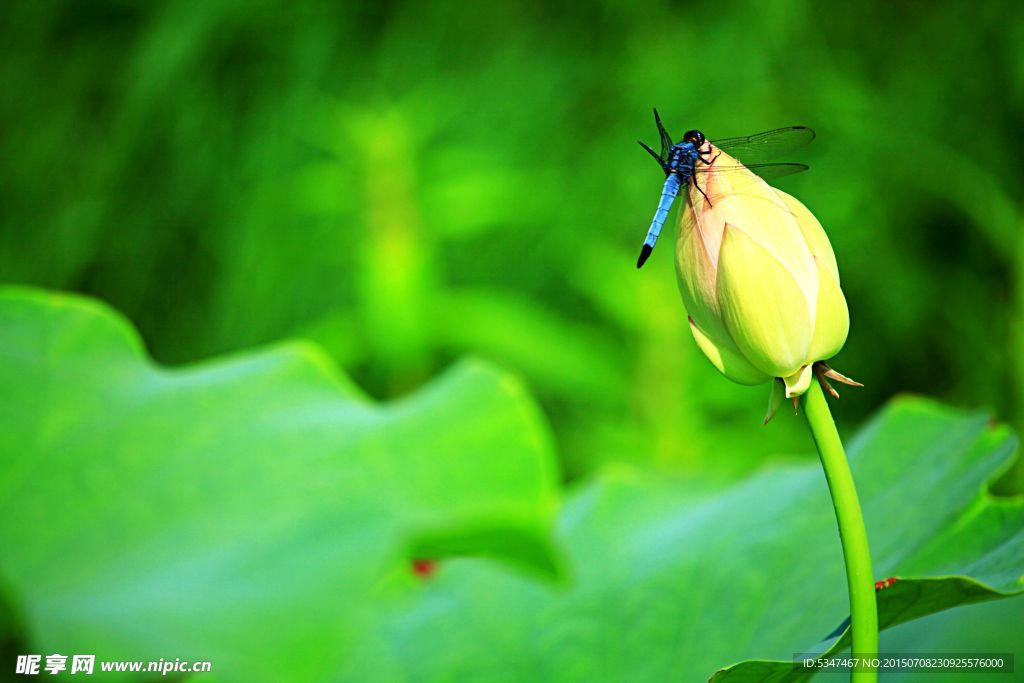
758 277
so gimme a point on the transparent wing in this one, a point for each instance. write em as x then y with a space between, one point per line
766 171
773 171
740 177
765 146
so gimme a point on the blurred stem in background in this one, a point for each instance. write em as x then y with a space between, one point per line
854 537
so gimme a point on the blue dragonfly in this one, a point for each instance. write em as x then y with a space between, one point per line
680 162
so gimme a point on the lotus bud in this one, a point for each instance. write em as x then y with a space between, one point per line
759 280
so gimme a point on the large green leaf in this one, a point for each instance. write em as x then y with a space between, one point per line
671 584
246 511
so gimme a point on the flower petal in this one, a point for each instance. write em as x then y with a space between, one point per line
696 272
776 397
832 319
762 305
744 201
813 233
798 382
727 359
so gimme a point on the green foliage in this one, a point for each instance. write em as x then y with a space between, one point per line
392 181
673 584
259 512
244 511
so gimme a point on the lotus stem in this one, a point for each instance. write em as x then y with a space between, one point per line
852 533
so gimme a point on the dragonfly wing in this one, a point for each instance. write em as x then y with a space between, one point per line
766 171
740 176
760 147
666 139
661 162
773 171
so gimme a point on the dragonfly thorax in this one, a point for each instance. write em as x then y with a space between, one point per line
682 157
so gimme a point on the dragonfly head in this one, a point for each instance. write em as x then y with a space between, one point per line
694 136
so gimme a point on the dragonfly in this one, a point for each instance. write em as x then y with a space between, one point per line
687 161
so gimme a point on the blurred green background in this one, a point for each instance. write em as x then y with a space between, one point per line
408 183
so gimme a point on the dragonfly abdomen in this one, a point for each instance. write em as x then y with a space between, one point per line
669 191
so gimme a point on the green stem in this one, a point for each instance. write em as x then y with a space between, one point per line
854 537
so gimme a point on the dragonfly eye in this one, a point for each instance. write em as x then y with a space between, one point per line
694 136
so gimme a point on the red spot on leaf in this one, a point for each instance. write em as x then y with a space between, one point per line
885 583
424 568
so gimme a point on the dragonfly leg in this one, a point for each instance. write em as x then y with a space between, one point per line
695 184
